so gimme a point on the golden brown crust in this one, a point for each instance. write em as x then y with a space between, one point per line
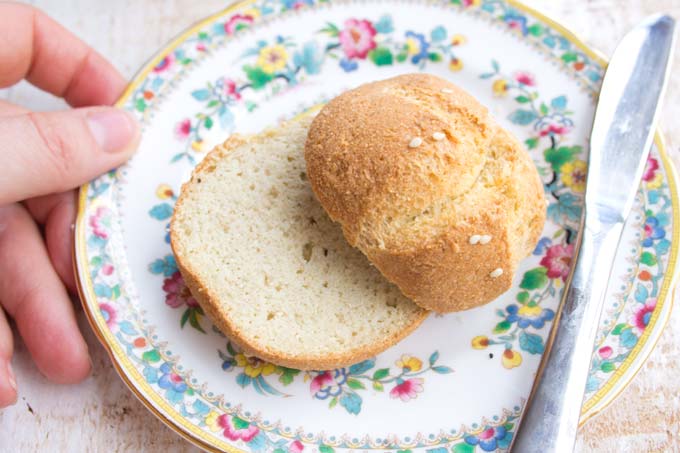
211 304
413 210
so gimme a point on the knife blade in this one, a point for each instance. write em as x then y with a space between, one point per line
622 134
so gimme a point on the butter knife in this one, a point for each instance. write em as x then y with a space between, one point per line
622 134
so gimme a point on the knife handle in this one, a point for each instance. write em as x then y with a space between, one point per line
550 419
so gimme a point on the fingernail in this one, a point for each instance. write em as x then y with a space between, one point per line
10 377
113 129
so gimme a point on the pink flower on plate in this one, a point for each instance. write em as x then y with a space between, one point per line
554 129
237 22
236 428
200 47
107 269
408 389
109 314
643 315
98 223
296 447
165 63
525 78
357 38
321 381
176 292
183 129
650 170
605 352
558 261
230 89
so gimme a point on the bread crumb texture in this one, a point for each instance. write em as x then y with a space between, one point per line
437 219
271 269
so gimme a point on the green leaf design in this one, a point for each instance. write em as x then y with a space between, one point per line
401 57
378 386
381 373
648 258
434 56
208 122
619 328
333 402
288 375
544 109
151 356
239 423
213 103
230 349
463 447
522 99
531 343
380 56
501 327
534 278
258 78
560 156
326 449
531 142
569 57
330 29
185 317
535 30
522 117
355 384
193 320
115 292
140 104
607 367
523 297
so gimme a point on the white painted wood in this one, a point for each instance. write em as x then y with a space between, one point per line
101 415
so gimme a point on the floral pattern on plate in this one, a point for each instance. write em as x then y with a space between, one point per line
346 42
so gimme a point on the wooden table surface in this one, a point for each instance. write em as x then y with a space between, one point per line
100 414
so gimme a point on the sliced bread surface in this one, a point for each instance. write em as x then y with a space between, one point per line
269 267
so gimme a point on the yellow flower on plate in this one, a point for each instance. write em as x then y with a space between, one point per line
480 342
500 87
530 312
511 359
410 362
164 191
412 46
656 182
456 64
253 366
573 175
211 421
457 40
272 58
197 146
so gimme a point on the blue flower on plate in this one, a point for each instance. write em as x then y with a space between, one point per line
526 315
653 230
416 46
328 383
516 22
172 383
348 65
491 439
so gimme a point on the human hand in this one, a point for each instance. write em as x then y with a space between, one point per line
44 156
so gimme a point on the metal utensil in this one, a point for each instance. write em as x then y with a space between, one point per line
622 134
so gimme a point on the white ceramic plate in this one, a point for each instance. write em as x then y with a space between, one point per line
460 381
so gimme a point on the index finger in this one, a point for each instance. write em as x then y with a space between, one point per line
38 49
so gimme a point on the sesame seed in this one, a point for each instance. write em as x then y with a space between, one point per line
415 142
474 239
496 273
447 91
484 239
438 136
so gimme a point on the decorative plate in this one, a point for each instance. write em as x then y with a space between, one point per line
460 381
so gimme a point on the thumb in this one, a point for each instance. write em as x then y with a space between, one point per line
55 151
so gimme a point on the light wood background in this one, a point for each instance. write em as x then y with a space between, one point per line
101 415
